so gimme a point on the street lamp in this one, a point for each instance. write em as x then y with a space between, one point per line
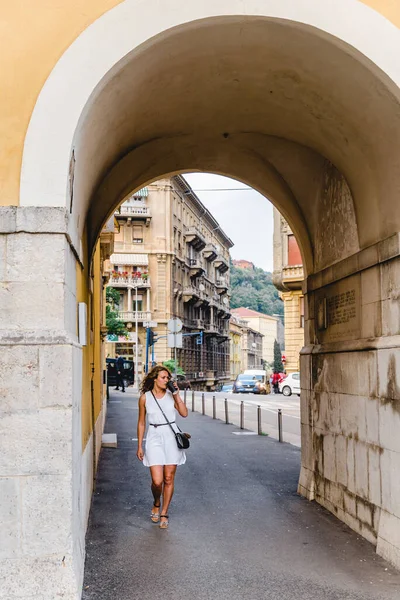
135 287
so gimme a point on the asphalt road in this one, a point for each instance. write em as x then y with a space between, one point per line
237 527
269 404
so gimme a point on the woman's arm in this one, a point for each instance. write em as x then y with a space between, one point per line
141 425
179 404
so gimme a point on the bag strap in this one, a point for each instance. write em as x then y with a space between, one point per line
173 430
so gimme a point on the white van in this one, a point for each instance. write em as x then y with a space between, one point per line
257 372
262 376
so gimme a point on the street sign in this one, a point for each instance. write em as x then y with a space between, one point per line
175 340
150 324
174 325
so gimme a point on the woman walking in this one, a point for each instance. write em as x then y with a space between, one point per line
162 454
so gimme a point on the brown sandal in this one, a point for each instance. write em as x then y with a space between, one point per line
164 524
155 517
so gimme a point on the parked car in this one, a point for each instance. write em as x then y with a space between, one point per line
128 375
227 388
249 384
290 385
264 378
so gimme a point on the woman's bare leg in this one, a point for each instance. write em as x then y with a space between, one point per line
169 479
157 480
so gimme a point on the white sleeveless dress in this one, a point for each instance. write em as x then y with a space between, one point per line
161 448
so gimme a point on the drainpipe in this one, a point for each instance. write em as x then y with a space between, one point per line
93 426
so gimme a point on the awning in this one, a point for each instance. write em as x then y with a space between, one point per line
136 260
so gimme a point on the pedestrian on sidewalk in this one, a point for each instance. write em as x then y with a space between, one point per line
162 454
120 373
275 381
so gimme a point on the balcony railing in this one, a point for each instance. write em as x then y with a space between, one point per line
221 286
294 272
134 211
124 281
221 264
210 252
130 315
196 268
190 293
194 237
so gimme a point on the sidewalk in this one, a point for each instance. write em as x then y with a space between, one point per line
237 527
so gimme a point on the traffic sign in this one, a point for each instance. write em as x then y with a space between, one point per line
175 340
150 324
174 325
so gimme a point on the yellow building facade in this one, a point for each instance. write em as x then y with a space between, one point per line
288 277
98 101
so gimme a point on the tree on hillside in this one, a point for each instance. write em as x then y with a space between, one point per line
278 365
254 289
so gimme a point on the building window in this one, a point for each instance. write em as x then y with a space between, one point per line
138 234
294 256
301 308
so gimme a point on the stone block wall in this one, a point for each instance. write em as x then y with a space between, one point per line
40 396
350 400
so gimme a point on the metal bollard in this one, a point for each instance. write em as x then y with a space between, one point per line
242 415
193 401
214 408
184 396
280 436
259 420
203 405
226 412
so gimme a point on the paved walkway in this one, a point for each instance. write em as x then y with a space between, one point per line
237 527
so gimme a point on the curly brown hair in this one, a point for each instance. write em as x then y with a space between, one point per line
148 381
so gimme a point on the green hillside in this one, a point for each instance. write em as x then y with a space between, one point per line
254 289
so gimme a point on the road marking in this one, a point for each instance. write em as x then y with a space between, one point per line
244 433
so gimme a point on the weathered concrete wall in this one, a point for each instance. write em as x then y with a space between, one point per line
336 236
350 402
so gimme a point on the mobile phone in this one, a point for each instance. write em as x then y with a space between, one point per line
171 387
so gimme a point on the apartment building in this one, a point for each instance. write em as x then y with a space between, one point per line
171 259
266 325
288 278
246 346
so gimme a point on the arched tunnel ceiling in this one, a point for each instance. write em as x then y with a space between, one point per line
262 100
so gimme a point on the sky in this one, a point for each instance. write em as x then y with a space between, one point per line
244 215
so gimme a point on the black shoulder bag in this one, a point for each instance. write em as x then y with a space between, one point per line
182 439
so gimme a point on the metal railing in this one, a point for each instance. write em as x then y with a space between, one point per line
130 315
130 280
244 415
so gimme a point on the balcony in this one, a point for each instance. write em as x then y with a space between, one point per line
221 286
292 277
125 281
288 278
195 238
130 315
134 212
195 267
210 252
211 328
198 323
190 293
221 264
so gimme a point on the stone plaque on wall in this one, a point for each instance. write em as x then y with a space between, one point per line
338 311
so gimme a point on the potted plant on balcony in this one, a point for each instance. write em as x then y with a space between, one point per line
145 276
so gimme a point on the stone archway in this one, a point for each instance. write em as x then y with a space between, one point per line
290 100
